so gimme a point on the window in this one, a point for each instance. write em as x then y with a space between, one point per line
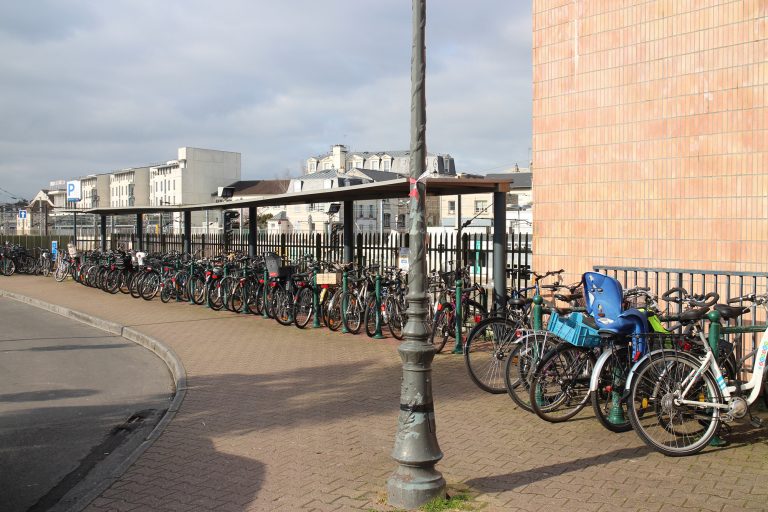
386 165
480 206
312 167
327 165
371 212
360 211
375 165
451 206
386 220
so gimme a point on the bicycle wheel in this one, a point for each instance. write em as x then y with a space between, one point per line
521 363
370 318
443 327
112 282
612 376
165 290
560 384
196 286
332 315
283 306
136 284
62 269
45 267
486 350
304 307
150 285
9 267
213 292
661 421
353 320
395 318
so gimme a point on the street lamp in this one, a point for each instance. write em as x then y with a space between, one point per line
416 481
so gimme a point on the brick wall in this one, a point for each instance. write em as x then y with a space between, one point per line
650 141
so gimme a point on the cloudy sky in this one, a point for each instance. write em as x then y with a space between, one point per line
93 86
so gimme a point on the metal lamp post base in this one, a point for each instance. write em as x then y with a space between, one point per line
410 487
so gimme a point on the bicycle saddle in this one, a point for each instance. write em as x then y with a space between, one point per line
518 302
730 312
568 298
693 315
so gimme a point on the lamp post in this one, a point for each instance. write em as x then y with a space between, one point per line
416 481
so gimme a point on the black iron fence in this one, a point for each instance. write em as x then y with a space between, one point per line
444 252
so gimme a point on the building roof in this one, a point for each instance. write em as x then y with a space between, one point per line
260 187
377 175
397 188
325 174
366 154
517 179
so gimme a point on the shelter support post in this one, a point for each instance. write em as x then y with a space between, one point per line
499 249
188 232
103 232
74 227
349 231
252 225
140 231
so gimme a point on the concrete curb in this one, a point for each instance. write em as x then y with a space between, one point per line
164 352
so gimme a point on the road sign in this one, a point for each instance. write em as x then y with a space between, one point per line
22 214
54 247
73 191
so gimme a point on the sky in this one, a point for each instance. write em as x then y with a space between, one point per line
91 86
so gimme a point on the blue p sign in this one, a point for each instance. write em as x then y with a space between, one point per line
70 188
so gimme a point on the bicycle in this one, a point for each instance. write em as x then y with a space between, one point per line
677 399
491 341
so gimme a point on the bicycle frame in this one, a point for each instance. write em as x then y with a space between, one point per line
709 362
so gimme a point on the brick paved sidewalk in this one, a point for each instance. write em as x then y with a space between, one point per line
282 419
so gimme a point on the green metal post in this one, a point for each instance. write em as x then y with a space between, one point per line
266 284
715 328
378 335
458 348
344 303
616 414
537 312
189 281
315 302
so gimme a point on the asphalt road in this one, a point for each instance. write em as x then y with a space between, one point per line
70 395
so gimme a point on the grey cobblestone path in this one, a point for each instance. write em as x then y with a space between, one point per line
278 418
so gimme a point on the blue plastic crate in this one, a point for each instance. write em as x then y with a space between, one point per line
571 328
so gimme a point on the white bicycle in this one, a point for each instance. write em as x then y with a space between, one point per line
676 400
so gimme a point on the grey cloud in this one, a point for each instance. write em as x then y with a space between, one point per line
102 85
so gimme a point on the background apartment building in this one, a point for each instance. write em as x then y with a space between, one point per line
650 137
342 159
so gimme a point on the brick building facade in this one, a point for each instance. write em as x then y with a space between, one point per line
650 141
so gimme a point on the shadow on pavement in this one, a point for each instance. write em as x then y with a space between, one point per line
510 481
57 348
48 394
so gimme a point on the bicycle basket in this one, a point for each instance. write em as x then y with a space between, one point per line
572 329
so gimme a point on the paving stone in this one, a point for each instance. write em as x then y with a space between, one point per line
278 418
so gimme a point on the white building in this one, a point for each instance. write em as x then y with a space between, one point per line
477 209
129 187
341 159
193 176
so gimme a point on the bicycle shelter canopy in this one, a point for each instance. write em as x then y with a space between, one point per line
391 189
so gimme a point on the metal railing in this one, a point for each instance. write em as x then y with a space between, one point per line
727 284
